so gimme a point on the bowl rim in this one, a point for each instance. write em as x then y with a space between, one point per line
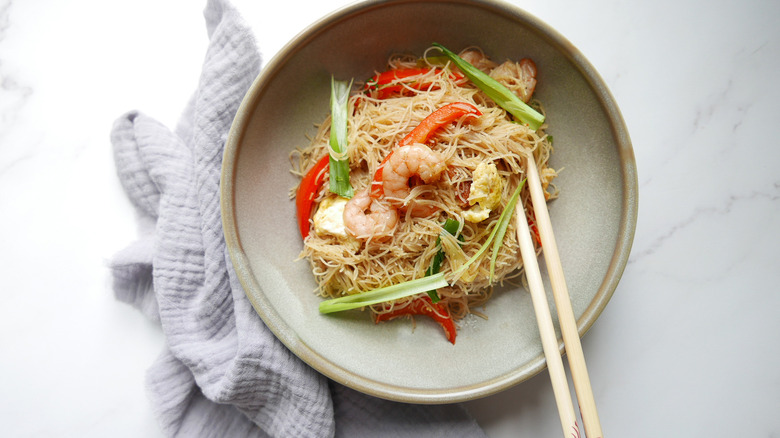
333 371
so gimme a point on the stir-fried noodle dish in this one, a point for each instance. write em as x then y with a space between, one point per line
428 161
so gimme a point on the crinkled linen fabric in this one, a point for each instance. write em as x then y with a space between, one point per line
222 372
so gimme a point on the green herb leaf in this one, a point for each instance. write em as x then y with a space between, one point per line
504 97
339 161
389 293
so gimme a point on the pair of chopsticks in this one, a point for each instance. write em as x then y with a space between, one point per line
571 337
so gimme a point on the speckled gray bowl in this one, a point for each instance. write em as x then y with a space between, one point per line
594 218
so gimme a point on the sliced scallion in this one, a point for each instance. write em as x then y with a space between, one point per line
504 97
339 161
503 224
389 293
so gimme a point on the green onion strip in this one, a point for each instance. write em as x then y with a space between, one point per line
503 224
339 160
504 97
389 293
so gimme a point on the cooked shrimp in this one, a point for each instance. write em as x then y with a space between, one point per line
365 217
407 161
520 77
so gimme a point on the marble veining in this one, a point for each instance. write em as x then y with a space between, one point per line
703 214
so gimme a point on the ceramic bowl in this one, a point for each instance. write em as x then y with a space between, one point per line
594 218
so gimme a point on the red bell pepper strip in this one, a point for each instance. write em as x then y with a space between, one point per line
307 190
387 83
442 116
424 306
535 232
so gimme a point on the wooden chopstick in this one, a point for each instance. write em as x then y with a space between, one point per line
571 336
546 329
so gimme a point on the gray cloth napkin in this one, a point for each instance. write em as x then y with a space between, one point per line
222 372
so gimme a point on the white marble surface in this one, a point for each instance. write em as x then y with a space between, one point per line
689 346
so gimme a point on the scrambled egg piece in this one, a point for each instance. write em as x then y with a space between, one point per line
329 218
485 192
